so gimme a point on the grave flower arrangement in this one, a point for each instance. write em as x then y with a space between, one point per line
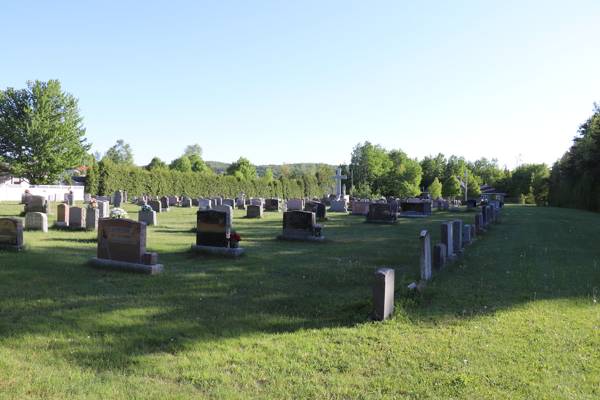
118 213
146 207
234 239
318 230
92 204
26 190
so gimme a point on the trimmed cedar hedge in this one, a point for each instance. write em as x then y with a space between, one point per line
104 178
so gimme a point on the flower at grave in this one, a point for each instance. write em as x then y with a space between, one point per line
319 226
92 204
26 190
70 192
236 237
118 213
146 207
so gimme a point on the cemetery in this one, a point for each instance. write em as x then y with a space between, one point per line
398 272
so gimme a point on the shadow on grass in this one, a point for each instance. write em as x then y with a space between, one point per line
284 286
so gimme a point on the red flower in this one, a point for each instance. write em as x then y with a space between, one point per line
237 237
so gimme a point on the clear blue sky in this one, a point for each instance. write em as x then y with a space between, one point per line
305 81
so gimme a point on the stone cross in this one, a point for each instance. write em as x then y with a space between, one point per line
338 182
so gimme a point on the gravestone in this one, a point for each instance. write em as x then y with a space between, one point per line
295 204
11 234
300 225
380 212
204 204
36 221
321 211
71 199
102 209
471 205
149 217
310 206
36 204
338 206
447 240
425 255
122 246
338 182
195 202
91 218
446 205
118 202
272 204
473 232
254 211
164 204
77 217
466 234
86 198
360 207
383 294
439 256
173 200
484 217
457 244
213 233
479 222
187 202
156 206
62 215
230 203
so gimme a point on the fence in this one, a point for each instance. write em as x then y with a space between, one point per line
14 192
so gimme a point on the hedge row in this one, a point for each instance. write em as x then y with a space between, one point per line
583 193
104 178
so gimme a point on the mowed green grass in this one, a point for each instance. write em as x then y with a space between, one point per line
516 318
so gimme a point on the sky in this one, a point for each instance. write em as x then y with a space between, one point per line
306 81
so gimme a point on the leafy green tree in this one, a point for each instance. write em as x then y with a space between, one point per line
197 163
432 167
435 189
120 154
245 169
268 175
324 178
155 164
193 149
540 185
369 164
404 176
451 188
473 183
41 132
455 167
181 164
488 171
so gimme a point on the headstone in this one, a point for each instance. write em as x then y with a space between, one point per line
241 204
227 209
204 204
86 198
71 199
156 206
164 204
91 218
380 212
466 234
195 202
447 240
254 211
173 200
149 217
36 221
338 206
457 245
103 209
484 215
310 206
446 205
412 209
473 232
213 228
122 245
360 207
383 294
11 234
425 255
295 204
229 202
439 256
272 204
36 204
118 199
62 215
77 217
479 222
300 225
471 205
321 211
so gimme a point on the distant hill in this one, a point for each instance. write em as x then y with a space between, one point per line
300 168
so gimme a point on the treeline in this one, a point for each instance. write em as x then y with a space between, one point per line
575 178
292 171
105 177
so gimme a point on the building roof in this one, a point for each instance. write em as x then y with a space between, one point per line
485 189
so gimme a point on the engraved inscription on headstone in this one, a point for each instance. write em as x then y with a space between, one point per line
121 239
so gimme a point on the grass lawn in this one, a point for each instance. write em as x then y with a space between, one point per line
516 318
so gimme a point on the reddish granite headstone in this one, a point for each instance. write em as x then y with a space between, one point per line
121 239
63 213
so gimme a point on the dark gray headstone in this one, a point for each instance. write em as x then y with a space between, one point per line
383 294
439 256
212 228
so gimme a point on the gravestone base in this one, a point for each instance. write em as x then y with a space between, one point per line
337 212
16 249
409 215
102 263
306 238
61 224
381 222
454 209
222 251
451 259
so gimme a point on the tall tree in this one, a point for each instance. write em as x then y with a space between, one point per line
156 163
120 154
435 189
41 132
193 149
197 163
433 167
404 176
182 164
242 168
451 188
